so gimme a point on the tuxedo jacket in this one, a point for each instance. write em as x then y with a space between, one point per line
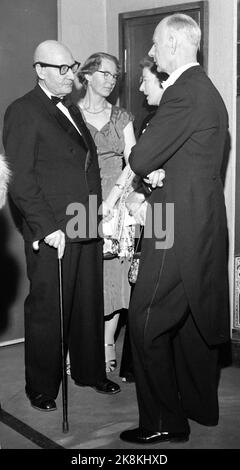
52 165
187 138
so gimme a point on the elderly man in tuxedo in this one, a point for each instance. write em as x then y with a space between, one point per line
54 163
179 309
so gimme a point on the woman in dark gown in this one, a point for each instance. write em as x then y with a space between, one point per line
151 85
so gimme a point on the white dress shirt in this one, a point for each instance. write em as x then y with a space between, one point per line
60 106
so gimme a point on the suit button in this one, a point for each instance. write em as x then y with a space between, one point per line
214 177
72 150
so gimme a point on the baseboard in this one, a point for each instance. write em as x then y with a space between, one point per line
11 342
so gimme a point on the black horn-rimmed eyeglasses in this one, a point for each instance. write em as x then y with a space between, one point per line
63 69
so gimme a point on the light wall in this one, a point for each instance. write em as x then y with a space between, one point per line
89 25
82 26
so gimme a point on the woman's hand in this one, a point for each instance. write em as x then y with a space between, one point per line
134 202
107 211
140 214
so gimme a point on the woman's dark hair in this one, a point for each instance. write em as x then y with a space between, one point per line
93 63
147 62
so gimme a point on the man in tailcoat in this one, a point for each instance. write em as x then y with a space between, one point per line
54 163
179 312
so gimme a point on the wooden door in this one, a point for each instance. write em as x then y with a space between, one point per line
135 40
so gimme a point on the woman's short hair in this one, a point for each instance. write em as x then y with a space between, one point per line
93 63
147 62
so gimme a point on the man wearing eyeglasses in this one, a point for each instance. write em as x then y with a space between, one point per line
54 163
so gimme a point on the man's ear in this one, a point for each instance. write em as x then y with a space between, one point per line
88 77
40 71
173 40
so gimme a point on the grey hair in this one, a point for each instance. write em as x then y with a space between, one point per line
187 25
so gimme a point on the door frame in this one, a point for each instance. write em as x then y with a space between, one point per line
201 7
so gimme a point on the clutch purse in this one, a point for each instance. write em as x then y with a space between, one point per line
134 268
135 261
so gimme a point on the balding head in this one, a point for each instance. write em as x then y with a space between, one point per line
176 42
51 52
46 56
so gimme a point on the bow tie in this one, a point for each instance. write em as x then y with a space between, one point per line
56 100
72 109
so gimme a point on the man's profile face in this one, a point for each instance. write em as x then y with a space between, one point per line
160 50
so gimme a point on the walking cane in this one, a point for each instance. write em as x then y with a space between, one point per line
64 374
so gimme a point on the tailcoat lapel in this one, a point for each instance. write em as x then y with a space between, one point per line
68 127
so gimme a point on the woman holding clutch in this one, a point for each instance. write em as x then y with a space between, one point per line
112 130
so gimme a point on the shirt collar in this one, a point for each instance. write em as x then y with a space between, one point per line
176 74
46 91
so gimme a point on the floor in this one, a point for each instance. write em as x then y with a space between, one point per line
95 420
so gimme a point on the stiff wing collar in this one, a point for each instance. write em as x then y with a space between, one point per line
176 74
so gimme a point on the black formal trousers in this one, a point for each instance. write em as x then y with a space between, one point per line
175 371
83 316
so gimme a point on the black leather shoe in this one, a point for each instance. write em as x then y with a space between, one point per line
142 436
107 386
128 377
41 402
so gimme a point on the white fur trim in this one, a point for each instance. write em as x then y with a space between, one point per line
4 180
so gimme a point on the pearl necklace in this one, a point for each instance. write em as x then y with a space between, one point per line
95 112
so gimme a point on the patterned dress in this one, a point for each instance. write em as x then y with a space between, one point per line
110 146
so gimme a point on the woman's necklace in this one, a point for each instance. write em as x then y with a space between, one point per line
95 112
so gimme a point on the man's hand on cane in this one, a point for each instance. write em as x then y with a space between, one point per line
54 239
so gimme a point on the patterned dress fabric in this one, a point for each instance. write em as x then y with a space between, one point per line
110 146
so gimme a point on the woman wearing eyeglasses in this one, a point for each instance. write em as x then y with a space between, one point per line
112 130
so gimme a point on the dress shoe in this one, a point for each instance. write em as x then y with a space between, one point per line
128 377
41 402
142 436
107 386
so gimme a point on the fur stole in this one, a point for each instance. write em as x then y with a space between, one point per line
4 180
